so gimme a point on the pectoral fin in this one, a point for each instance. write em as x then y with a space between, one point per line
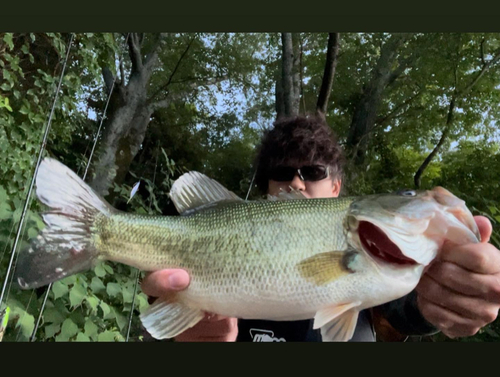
167 319
324 268
337 323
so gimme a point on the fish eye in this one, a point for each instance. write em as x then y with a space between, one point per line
407 193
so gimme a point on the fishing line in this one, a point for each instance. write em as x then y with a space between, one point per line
23 232
103 115
251 184
47 292
40 153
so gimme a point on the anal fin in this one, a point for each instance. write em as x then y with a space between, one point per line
337 323
167 319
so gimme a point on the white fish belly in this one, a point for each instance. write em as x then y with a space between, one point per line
293 298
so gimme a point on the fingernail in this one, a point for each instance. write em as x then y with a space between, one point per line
176 281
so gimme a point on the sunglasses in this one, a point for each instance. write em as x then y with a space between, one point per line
309 173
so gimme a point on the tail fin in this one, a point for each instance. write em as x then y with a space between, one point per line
67 245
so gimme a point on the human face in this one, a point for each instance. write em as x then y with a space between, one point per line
325 188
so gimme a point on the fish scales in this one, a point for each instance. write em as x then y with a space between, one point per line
325 259
241 251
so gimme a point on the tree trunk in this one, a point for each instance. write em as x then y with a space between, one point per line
124 133
365 113
329 74
127 118
288 85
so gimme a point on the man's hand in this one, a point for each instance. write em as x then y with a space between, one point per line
212 328
460 293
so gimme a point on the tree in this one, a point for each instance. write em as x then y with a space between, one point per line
181 67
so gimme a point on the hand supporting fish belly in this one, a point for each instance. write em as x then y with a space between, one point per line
325 259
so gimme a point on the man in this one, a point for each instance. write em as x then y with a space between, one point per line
459 294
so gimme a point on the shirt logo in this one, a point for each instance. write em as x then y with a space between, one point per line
259 335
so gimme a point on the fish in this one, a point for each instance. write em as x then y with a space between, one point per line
324 259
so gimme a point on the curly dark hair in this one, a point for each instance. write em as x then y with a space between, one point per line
295 142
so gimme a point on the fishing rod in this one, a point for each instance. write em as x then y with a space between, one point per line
28 195
47 292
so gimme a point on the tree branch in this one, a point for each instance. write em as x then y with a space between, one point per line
456 95
301 70
169 81
108 77
427 161
482 52
484 69
169 99
134 51
393 113
122 72
187 79
286 41
153 52
329 73
399 70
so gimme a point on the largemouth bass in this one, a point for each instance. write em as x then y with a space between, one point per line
325 259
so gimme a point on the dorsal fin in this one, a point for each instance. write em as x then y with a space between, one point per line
283 195
194 190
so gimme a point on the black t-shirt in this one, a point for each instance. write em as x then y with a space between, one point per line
298 331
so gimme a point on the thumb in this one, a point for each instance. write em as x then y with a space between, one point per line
162 282
485 228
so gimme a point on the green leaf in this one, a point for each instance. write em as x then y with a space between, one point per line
51 330
8 39
7 105
108 269
5 211
99 270
68 330
32 232
7 76
91 329
77 294
69 280
93 302
27 323
121 320
106 310
82 338
96 285
59 289
107 336
142 302
128 293
33 216
53 315
113 289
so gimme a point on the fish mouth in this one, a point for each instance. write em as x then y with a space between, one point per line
378 245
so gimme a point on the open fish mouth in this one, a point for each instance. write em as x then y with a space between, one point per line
378 245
